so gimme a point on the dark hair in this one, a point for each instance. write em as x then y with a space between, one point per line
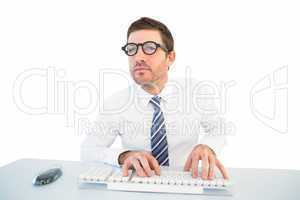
152 24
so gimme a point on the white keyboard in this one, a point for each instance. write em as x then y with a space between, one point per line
168 182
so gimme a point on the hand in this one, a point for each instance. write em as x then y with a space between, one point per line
209 161
142 161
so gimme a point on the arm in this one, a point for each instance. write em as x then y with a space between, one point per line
214 135
212 142
96 145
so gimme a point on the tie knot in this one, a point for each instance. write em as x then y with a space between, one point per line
155 101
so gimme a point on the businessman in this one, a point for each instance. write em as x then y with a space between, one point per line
154 126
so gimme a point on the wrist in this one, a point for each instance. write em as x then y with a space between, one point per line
122 157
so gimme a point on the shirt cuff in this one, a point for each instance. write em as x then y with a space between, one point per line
215 143
112 156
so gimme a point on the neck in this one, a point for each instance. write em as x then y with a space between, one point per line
156 87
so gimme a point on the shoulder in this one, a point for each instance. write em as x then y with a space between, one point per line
119 100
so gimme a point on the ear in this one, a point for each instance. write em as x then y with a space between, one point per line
171 58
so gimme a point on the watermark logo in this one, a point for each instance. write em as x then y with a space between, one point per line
62 97
269 100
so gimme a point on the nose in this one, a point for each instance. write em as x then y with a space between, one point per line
140 55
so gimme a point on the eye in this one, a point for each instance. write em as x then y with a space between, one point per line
149 47
131 48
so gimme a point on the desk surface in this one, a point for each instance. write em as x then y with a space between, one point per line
16 179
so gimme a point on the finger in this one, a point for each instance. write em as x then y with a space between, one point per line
212 164
188 163
154 164
222 169
204 166
137 166
125 167
195 163
145 165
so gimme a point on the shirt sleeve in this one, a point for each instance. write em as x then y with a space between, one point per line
216 143
213 126
214 135
96 145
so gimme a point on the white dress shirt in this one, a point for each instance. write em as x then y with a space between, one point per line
191 118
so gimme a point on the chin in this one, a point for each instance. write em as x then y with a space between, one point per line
142 79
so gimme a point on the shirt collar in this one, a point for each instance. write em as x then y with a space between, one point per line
145 97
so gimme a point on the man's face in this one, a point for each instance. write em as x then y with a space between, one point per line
148 69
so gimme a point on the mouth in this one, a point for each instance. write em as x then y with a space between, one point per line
140 69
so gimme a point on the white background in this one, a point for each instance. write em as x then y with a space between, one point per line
220 41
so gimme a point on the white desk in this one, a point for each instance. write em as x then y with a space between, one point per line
16 179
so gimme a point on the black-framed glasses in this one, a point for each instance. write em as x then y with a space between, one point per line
148 48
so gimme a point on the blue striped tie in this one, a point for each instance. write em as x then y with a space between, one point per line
159 144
